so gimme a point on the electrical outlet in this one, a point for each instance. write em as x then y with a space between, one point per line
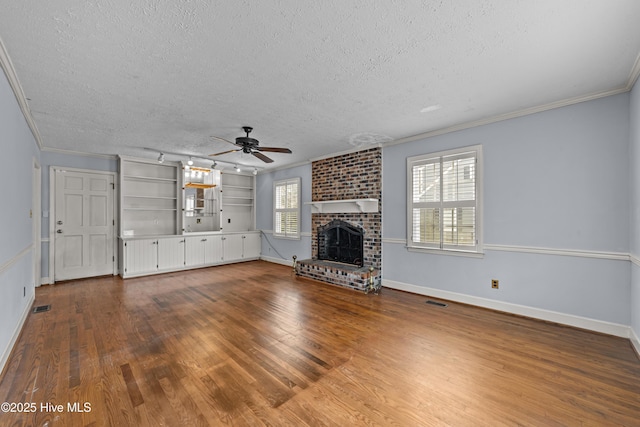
495 283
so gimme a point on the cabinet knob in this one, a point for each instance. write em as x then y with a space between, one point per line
59 231
203 240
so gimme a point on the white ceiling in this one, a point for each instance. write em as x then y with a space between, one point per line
319 77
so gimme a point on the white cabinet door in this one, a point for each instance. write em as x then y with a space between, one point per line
232 247
140 256
171 253
203 250
251 245
213 250
195 251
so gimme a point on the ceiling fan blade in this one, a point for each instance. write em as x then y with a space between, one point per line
225 152
222 139
274 149
262 157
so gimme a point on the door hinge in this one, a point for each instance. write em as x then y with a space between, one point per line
113 258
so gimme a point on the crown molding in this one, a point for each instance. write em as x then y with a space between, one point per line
80 153
515 114
634 74
12 78
350 151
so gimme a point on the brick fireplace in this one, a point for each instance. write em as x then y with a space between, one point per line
343 183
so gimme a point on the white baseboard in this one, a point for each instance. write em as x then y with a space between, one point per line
521 310
635 341
287 262
16 333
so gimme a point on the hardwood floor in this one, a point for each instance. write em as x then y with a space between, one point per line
249 344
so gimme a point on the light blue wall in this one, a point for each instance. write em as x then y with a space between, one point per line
634 217
17 284
552 180
77 161
276 248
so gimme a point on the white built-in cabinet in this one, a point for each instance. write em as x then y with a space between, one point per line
149 256
237 194
203 250
148 198
161 230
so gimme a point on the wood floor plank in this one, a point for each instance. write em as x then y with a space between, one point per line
250 344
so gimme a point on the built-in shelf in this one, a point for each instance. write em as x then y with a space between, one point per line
198 185
148 178
149 209
149 197
344 206
238 187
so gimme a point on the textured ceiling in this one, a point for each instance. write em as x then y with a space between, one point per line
318 77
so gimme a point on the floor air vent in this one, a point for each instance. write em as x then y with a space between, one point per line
439 304
41 308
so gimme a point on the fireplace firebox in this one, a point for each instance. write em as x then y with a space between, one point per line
342 242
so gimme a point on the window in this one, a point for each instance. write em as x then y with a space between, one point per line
286 215
443 194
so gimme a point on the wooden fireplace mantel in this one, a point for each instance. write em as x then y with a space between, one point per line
344 206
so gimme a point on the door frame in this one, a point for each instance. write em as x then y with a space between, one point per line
52 216
36 222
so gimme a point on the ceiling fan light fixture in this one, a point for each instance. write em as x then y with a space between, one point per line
249 145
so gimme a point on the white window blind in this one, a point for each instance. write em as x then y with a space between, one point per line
286 215
443 202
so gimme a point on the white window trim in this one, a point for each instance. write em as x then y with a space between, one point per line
296 235
478 250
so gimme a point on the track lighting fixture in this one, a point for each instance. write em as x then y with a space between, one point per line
237 168
213 166
190 162
161 158
255 171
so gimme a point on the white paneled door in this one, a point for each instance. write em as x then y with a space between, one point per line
84 224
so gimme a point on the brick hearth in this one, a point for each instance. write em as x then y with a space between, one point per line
348 276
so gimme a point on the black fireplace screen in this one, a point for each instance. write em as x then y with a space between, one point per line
341 242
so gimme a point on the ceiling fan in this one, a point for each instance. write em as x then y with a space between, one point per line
250 146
